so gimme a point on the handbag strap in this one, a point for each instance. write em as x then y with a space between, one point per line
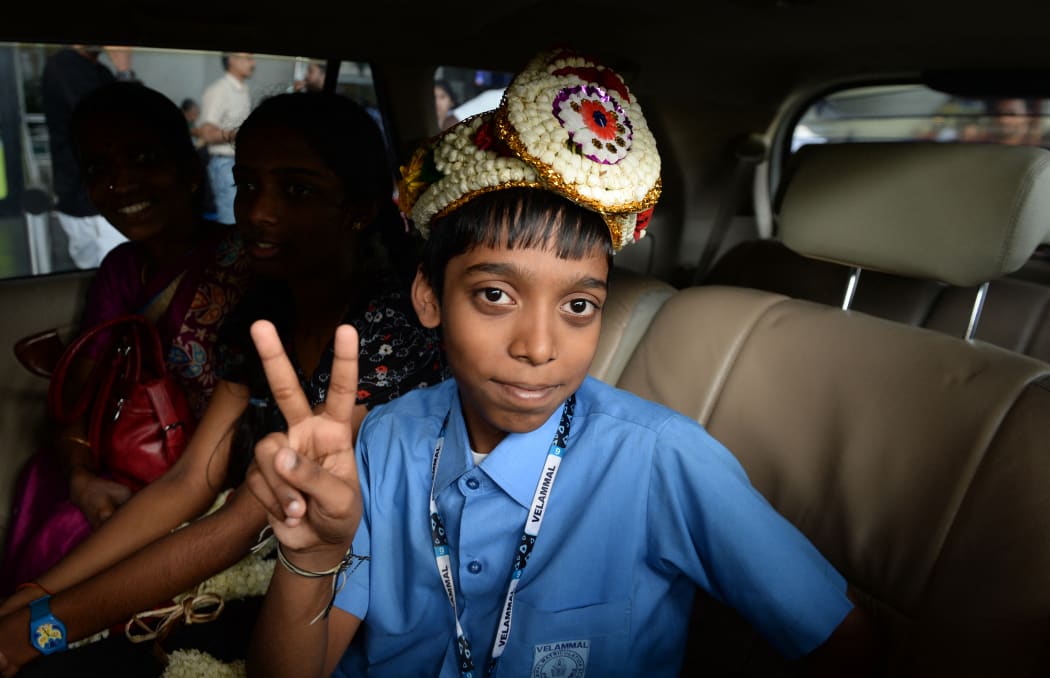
171 423
145 344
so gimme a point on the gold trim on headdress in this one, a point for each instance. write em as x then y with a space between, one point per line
565 124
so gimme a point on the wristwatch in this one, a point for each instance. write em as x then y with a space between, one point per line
46 633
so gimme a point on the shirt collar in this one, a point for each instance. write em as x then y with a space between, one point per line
515 464
455 454
237 83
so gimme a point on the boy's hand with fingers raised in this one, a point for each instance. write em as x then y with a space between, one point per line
306 477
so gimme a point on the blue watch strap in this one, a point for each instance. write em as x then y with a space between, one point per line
46 633
39 608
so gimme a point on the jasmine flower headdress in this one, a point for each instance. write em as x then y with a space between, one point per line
566 124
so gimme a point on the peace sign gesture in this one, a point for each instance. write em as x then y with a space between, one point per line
306 477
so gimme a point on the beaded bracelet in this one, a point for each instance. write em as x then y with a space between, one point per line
341 569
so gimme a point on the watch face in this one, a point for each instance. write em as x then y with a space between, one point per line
49 636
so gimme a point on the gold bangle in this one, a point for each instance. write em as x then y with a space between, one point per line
77 439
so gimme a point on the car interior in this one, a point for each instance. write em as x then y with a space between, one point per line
846 279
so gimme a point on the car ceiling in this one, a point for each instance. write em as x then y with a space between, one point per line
709 71
744 49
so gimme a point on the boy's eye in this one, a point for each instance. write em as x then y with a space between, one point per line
581 308
244 185
494 295
578 306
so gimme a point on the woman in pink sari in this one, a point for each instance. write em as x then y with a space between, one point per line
183 273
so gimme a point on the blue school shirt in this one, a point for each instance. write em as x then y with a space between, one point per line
646 505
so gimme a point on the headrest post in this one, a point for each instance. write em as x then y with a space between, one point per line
851 287
975 314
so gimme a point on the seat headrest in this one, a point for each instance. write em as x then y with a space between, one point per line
959 213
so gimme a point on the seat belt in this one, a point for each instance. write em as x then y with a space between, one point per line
748 154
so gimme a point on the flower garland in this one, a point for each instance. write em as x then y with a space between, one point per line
464 162
248 577
197 664
578 117
565 124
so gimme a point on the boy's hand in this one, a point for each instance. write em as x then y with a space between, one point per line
306 478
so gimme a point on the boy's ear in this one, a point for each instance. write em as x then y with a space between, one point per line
425 301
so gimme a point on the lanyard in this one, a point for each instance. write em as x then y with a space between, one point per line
442 553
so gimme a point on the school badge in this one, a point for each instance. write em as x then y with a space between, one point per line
563 659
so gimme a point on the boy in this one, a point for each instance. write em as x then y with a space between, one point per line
431 532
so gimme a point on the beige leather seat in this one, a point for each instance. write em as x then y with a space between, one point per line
632 302
860 187
918 462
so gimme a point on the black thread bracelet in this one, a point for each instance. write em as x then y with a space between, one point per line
340 568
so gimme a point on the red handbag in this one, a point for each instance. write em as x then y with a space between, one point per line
139 420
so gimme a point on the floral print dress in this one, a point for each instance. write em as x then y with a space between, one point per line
396 354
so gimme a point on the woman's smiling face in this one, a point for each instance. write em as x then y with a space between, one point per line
290 205
133 179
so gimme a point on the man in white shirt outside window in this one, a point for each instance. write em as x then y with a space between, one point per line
224 106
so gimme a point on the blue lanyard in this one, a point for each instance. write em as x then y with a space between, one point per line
442 553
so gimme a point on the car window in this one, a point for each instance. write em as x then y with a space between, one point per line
36 236
466 92
916 112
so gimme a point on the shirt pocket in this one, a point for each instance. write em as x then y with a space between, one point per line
591 640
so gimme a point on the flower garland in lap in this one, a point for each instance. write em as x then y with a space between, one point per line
194 663
247 578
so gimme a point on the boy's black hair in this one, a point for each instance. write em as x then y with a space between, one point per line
514 218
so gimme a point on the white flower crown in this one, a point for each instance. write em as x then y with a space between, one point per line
566 124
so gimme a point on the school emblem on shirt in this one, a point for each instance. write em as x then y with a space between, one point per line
563 659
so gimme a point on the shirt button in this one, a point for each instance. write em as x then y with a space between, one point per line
474 567
473 484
